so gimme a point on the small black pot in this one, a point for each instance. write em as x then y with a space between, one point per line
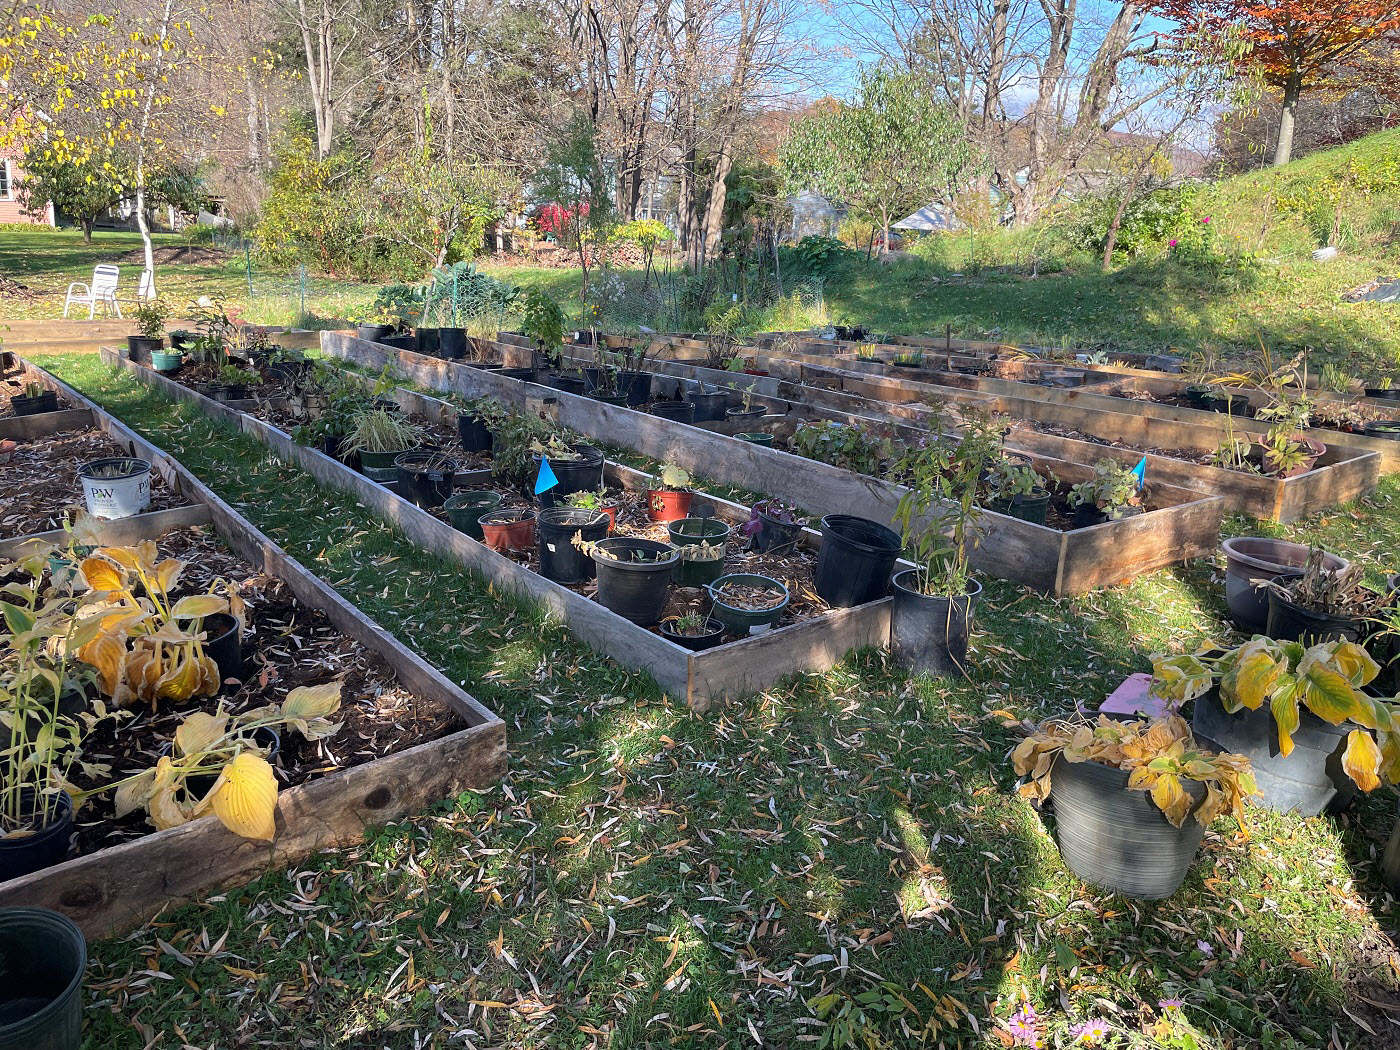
330 445
44 958
525 375
560 560
452 343
855 560
1390 393
225 392
930 632
141 347
1030 508
403 341
841 331
21 855
570 384
696 643
1086 515
1117 838
636 385
680 411
774 535
224 645
710 407
1290 622
576 475
473 434
1384 428
636 591
375 333
426 477
743 414
33 406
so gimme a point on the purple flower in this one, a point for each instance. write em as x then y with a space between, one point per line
1205 221
1024 1027
1172 242
1205 949
1170 1004
1090 1033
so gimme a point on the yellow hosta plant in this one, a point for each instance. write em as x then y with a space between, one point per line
1159 756
244 795
150 647
1327 678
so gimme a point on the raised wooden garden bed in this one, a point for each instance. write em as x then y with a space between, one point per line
1047 559
734 669
114 887
1044 431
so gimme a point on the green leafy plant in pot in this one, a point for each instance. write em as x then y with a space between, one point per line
1111 494
1014 488
542 319
931 621
1132 799
150 317
670 500
1299 713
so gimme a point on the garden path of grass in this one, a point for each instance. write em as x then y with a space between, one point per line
646 877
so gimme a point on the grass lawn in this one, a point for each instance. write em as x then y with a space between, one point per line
843 856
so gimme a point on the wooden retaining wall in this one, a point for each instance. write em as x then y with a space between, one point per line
114 889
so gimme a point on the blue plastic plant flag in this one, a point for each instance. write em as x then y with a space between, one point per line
1140 472
545 479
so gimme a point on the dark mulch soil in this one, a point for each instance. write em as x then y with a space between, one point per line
41 486
285 645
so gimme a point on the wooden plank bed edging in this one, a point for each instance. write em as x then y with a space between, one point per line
1010 548
110 891
115 532
598 627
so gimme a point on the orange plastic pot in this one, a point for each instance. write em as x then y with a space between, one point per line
508 530
665 505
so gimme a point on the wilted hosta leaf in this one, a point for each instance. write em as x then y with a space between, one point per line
198 731
246 797
102 575
312 701
1355 662
316 728
197 605
1171 798
134 794
123 556
1285 712
1329 695
1362 760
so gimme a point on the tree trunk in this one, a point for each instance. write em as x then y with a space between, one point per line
87 230
148 250
1113 228
713 236
1287 118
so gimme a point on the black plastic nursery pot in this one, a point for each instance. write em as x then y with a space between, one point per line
561 560
1291 622
635 590
575 475
1309 781
47 846
223 644
1030 508
774 535
33 406
570 384
1086 515
331 445
738 619
473 434
381 466
428 341
452 343
711 634
1251 562
620 400
465 509
746 414
689 536
526 375
1384 428
855 560
404 341
929 633
680 411
141 347
1385 393
709 408
636 385
426 476
375 333
43 958
1116 838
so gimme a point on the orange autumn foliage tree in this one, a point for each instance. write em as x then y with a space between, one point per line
1294 44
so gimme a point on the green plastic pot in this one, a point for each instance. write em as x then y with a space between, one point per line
163 361
465 508
766 440
746 621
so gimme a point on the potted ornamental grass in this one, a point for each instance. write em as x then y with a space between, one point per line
1131 800
150 317
670 500
1112 494
379 437
1299 713
34 400
931 620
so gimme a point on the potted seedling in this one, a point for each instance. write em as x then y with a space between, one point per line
542 320
773 526
1384 388
150 318
234 384
909 359
670 501
379 437
634 577
1132 800
747 410
600 500
1284 450
846 445
931 620
1015 489
633 380
1113 493
1298 713
34 401
747 603
602 379
116 487
577 466
692 631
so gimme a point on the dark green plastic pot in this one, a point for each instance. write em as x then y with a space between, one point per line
465 508
747 621
1030 508
43 957
379 466
766 440
690 533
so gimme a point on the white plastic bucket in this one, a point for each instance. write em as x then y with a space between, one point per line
116 497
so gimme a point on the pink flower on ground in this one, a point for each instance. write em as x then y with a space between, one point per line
1170 1004
1205 221
1024 1028
1090 1033
1172 243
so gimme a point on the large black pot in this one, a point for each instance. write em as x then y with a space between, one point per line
403 341
452 343
636 385
1117 838
1389 393
525 375
473 434
428 341
375 333
560 560
426 477
224 645
1251 562
1290 622
710 407
636 591
141 347
1030 508
570 384
680 411
575 475
33 406
1384 428
774 535
1309 781
21 855
1086 515
855 560
929 632
43 958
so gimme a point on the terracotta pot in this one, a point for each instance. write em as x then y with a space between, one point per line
665 505
508 530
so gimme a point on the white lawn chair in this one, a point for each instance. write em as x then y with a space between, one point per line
102 290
